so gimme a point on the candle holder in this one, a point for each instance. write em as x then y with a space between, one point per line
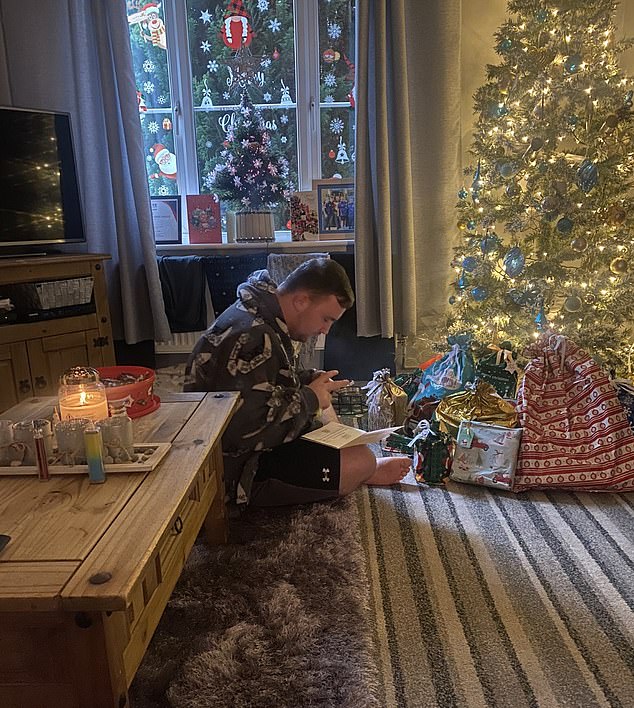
6 440
82 395
70 440
23 437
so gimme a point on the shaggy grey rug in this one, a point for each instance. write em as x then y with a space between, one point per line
275 619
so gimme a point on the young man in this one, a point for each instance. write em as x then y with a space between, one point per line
250 349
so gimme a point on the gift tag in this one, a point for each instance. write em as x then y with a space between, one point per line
465 436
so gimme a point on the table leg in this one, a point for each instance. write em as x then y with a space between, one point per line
216 530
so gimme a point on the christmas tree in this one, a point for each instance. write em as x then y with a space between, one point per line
546 214
250 176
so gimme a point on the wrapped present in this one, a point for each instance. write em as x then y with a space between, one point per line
625 394
399 442
479 402
387 402
450 373
432 454
499 369
576 432
423 410
409 382
486 454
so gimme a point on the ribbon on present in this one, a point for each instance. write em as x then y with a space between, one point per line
421 432
505 355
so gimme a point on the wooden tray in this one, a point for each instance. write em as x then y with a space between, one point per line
159 452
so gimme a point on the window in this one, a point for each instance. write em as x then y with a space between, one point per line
192 60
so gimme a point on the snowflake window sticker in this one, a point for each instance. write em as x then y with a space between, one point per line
148 87
162 99
153 127
212 66
329 99
263 5
330 80
205 46
148 66
336 126
284 118
275 25
334 30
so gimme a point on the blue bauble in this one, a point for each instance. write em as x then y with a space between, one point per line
564 225
572 119
514 262
572 64
479 293
541 320
471 224
505 45
463 194
507 169
469 264
462 282
587 175
452 300
489 243
542 15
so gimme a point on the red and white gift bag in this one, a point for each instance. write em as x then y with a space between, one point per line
576 433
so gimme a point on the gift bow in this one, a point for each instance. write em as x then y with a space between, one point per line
505 354
379 378
421 432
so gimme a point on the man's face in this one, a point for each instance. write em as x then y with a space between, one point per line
313 315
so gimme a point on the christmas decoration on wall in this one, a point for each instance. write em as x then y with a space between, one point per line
546 216
236 29
165 160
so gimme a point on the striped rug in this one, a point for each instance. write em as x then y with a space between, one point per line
483 598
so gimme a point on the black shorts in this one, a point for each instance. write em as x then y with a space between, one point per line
298 472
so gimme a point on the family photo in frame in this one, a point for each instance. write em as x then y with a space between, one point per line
336 208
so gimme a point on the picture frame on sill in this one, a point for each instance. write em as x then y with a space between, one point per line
335 208
303 220
203 218
166 217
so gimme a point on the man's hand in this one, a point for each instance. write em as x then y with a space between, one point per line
323 386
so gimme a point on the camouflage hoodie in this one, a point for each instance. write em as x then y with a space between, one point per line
248 349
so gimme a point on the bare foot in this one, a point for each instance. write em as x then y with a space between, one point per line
390 470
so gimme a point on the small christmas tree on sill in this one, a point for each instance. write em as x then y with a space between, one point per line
252 179
547 213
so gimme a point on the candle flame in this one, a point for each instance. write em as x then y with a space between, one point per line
82 398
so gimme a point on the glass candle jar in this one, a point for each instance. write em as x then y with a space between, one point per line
82 395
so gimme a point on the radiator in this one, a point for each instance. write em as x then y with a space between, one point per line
180 343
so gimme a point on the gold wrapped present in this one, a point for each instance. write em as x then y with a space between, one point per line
479 402
387 402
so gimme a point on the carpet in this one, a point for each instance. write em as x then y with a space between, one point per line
483 598
275 619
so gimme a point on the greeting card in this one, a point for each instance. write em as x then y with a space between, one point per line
203 218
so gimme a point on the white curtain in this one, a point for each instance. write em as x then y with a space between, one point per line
407 162
74 56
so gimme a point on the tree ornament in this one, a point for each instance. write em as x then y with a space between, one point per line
276 54
573 303
452 299
619 266
462 224
513 190
471 224
331 154
505 45
610 123
616 215
572 63
572 120
507 168
490 243
469 264
463 194
550 204
564 225
587 176
536 144
541 15
540 319
579 244
479 294
476 184
514 262
330 56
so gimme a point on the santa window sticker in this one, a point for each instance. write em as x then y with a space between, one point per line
166 217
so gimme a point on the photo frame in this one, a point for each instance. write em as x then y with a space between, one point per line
335 208
166 217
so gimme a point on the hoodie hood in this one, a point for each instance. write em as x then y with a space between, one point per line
258 297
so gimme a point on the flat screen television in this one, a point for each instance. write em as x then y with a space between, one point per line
40 203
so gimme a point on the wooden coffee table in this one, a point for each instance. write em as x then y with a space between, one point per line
89 568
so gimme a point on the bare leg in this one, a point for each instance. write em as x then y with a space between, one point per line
360 466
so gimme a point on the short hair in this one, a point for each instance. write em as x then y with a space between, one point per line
321 277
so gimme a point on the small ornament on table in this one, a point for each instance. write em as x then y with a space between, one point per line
387 402
432 454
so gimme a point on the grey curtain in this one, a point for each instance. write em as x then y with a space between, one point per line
74 56
407 162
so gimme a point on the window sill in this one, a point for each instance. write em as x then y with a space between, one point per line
199 249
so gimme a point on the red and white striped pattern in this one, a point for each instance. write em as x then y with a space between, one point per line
576 433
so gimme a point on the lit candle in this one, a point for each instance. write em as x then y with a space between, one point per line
84 404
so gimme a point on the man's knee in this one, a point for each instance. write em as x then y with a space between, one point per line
358 464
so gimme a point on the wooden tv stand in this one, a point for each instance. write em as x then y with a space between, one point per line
33 354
